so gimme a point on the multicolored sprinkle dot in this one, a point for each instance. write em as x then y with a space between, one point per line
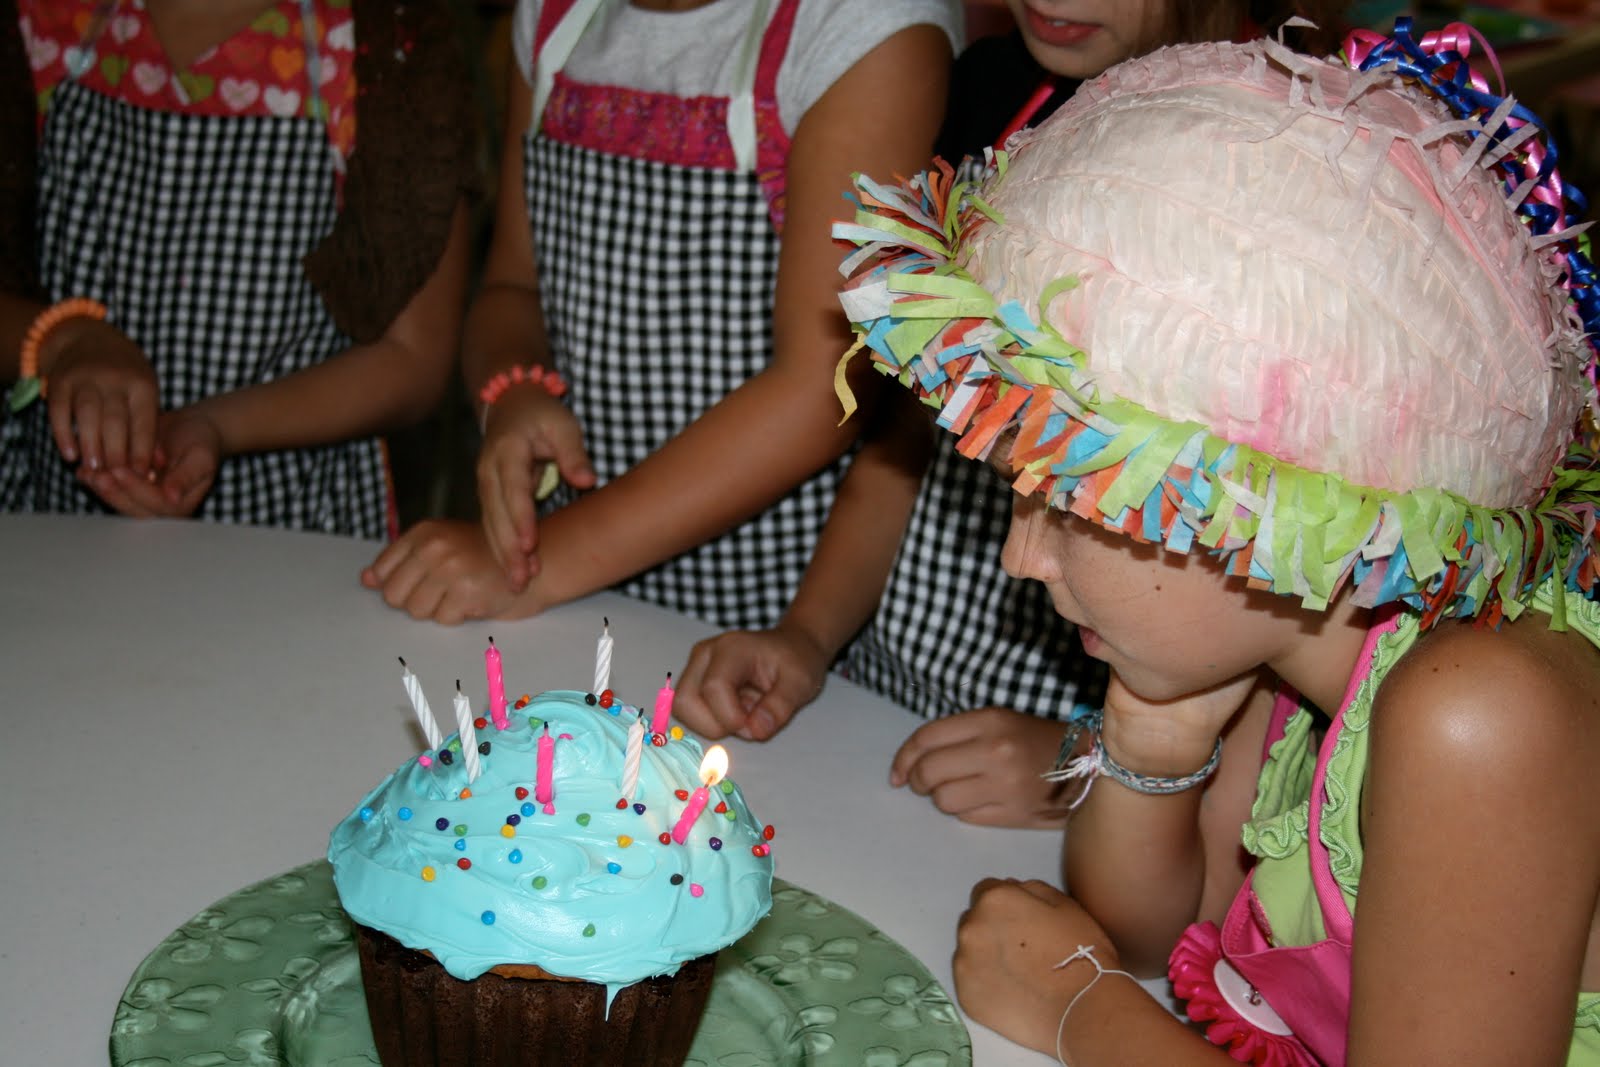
614 867
623 840
665 838
726 786
522 794
464 863
696 889
583 820
508 831
513 819
488 918
540 881
404 814
716 844
515 855
677 733
461 829
366 814
528 808
638 809
768 832
441 824
760 850
465 794
588 931
428 874
461 844
676 879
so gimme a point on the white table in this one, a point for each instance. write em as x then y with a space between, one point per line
189 708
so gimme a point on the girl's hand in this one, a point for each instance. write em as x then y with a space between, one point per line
187 454
441 570
527 429
103 398
1169 737
749 682
983 767
1007 945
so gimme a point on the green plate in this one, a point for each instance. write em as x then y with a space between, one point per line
268 977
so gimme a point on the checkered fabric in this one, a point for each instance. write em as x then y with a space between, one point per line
191 230
952 632
656 282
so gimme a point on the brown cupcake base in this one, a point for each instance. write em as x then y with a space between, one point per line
422 1016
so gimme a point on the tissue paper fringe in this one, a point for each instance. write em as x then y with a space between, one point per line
993 368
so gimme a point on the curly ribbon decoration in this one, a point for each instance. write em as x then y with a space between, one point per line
1438 64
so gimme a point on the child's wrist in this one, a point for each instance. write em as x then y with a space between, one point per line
1165 754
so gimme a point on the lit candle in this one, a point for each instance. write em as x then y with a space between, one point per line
497 685
602 660
712 769
630 759
419 704
544 790
469 736
658 721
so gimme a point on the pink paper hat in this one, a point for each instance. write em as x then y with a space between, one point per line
1326 320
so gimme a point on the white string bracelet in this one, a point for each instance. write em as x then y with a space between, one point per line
1098 762
1085 952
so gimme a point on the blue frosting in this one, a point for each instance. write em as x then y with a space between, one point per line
585 892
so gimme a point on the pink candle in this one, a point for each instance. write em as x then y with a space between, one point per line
544 788
663 712
712 770
497 686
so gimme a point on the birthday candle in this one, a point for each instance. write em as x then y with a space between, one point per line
663 712
544 790
469 736
712 769
419 704
497 685
630 759
602 660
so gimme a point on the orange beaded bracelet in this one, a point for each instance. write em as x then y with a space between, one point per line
496 387
29 382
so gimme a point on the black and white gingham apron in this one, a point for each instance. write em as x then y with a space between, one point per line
656 282
191 230
953 631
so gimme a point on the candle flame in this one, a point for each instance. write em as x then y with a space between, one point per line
715 766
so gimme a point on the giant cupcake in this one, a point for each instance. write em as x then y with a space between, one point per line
525 895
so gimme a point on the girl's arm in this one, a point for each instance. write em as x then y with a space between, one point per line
781 425
752 682
367 389
1482 851
1147 866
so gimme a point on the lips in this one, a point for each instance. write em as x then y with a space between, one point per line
1057 33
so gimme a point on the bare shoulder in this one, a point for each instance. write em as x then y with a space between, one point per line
1524 699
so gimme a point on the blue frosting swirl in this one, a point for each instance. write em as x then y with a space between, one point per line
584 892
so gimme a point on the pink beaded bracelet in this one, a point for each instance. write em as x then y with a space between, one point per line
496 387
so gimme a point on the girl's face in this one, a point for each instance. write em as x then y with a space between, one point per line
1081 38
1169 624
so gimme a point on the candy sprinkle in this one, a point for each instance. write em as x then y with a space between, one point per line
768 832
426 761
760 850
583 820
404 814
677 879
638 809
677 733
716 844
466 794
727 786
614 867
446 757
480 724
488 918
522 794
590 699
522 702
483 747
441 824
513 819
730 815
665 838
528 808
623 841
508 831
721 808
657 741
515 855
696 889
464 863
461 829
622 804
366 814
540 881
428 874
588 931
461 844
681 794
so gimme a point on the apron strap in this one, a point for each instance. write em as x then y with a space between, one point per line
741 104
1336 918
78 60
555 53
308 25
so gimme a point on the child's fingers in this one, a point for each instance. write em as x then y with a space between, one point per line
142 405
376 574
707 698
187 479
86 405
114 431
117 495
924 739
59 409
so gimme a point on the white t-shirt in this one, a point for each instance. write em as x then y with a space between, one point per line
696 52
